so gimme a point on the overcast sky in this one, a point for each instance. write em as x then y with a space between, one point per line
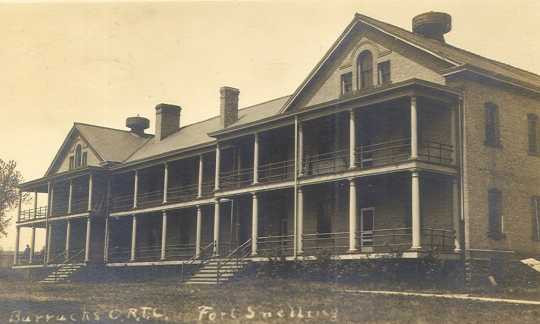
98 62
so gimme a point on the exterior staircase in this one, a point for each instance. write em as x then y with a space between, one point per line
215 271
65 271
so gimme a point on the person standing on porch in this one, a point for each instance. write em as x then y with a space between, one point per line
26 254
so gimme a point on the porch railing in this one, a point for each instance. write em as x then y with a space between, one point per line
324 163
182 193
149 199
236 178
337 242
435 239
180 251
119 254
207 188
79 206
383 153
33 214
121 202
276 171
430 151
233 258
385 240
148 252
279 245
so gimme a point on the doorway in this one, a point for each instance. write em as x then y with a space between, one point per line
367 226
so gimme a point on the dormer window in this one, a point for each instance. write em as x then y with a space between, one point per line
383 72
79 159
78 156
365 70
346 83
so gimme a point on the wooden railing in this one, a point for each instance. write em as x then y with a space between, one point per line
337 242
236 178
79 206
182 193
149 199
435 152
330 162
385 240
275 246
383 153
149 252
118 254
435 239
180 251
276 171
121 202
33 214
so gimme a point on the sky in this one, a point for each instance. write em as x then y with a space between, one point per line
99 62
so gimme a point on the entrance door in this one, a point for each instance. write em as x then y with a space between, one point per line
367 225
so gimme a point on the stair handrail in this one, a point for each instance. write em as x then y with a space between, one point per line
68 260
234 256
204 259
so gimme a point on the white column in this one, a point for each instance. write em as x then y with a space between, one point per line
163 235
133 238
455 214
32 245
135 188
70 196
17 237
300 149
35 203
300 231
50 192
90 191
88 238
48 248
106 245
68 237
254 223
415 208
352 216
19 210
256 158
199 233
216 228
414 129
200 179
352 139
216 182
165 182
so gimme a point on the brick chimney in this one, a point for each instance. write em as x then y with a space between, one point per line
228 105
167 120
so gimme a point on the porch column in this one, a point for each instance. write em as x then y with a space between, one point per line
415 208
135 188
200 179
68 234
453 134
352 139
216 181
216 228
199 233
19 209
32 245
35 203
70 196
256 158
90 191
352 215
48 247
414 129
300 156
300 230
165 182
455 214
163 235
88 238
106 245
17 237
50 192
254 223
133 238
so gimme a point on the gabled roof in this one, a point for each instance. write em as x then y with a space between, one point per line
454 56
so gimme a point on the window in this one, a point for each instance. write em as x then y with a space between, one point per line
365 70
535 202
492 125
495 217
346 83
71 162
383 72
84 159
78 156
532 121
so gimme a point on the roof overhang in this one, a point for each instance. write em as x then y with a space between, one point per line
41 182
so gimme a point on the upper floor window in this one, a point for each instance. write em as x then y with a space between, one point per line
78 156
71 162
535 201
495 216
532 121
84 159
365 70
346 83
383 72
492 125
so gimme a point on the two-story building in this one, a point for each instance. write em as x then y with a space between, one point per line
397 144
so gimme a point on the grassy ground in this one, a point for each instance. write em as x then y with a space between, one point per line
250 302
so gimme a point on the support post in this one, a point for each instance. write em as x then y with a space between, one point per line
414 129
70 196
216 228
199 233
133 238
352 216
453 134
216 181
88 239
300 156
106 245
163 235
90 191
17 237
35 203
165 182
32 245
68 238
48 247
256 158
200 178
51 199
135 188
19 210
415 208
352 139
300 231
456 217
254 223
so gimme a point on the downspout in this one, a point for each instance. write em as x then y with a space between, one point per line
295 216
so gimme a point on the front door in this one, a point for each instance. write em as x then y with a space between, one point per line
367 226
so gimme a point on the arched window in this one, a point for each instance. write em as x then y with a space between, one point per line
364 67
78 156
